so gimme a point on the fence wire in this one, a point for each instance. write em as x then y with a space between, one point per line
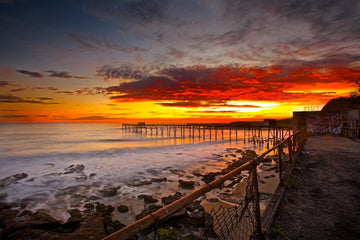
233 222
236 222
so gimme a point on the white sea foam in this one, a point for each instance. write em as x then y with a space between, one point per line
111 158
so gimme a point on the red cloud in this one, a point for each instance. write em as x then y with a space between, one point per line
186 86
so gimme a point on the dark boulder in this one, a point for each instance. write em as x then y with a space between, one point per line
171 198
147 198
123 208
186 184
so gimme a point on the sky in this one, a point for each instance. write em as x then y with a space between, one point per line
174 61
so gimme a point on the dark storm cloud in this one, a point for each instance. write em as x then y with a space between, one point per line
63 74
31 74
123 71
6 83
59 74
8 98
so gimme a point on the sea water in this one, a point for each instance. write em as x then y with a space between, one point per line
106 157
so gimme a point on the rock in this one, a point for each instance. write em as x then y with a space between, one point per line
178 172
9 180
6 181
195 216
109 229
20 176
7 217
74 169
93 198
52 174
147 198
186 184
3 196
31 233
107 219
141 183
92 175
207 178
123 208
153 171
117 225
164 179
5 205
196 173
49 164
90 228
171 198
75 215
102 209
109 191
89 206
37 220
146 211
81 177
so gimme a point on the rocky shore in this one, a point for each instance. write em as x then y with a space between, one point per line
96 219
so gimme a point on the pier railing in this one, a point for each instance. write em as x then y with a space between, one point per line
211 131
243 221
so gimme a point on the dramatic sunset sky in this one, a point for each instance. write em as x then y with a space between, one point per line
174 61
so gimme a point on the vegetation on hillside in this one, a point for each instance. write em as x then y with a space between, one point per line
342 103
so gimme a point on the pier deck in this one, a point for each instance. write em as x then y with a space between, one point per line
211 131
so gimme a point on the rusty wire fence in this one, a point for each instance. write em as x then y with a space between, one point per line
242 219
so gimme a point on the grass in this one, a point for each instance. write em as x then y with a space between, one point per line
276 233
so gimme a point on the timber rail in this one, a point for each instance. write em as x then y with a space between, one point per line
293 144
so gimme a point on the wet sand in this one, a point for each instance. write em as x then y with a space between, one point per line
324 201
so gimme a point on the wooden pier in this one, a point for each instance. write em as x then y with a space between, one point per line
218 131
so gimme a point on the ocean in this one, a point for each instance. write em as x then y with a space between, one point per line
70 164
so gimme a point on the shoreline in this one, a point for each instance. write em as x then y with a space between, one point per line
192 177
